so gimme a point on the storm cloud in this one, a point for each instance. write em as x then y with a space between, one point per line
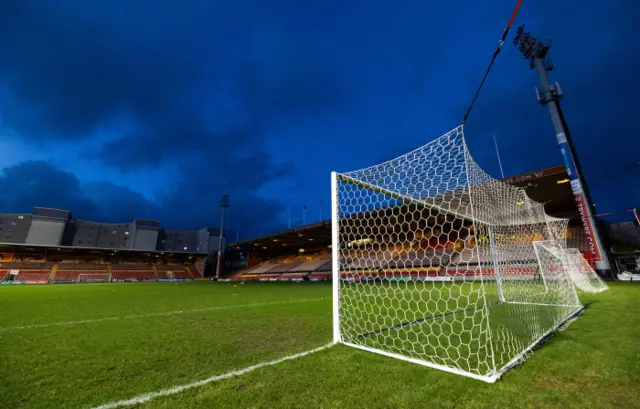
262 99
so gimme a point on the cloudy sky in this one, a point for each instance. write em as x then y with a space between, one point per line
131 108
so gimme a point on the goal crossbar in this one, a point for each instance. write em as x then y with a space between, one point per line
398 196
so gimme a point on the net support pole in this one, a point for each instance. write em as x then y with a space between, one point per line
496 266
541 267
335 262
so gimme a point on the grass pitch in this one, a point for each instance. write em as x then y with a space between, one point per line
116 341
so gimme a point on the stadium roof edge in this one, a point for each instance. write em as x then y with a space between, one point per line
326 223
537 174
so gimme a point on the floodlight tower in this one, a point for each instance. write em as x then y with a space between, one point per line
536 52
224 204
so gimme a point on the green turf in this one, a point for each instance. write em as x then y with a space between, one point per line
594 363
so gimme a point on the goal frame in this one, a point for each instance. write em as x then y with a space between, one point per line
93 274
492 376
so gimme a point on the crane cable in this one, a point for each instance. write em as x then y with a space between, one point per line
493 59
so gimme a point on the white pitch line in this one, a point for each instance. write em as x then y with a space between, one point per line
177 389
154 314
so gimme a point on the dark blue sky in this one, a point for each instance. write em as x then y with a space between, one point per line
131 108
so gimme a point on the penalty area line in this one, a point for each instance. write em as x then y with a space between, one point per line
156 314
177 389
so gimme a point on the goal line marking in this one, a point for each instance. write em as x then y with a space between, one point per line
155 314
177 389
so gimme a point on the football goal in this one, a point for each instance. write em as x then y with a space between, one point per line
94 278
583 276
439 264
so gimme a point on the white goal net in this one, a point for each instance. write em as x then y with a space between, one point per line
94 278
437 263
583 276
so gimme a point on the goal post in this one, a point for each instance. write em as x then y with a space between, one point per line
335 261
437 263
94 278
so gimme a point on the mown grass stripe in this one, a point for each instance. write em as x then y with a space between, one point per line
155 314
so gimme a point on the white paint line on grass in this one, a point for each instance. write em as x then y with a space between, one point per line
155 314
177 389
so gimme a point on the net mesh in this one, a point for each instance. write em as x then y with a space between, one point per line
440 264
583 276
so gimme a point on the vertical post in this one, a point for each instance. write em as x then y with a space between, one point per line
496 266
304 214
636 214
335 254
495 142
550 98
541 267
224 203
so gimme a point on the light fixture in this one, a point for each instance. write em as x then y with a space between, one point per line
562 181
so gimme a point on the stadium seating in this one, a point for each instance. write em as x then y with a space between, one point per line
253 272
327 266
132 272
311 264
195 273
287 265
33 277
175 271
299 276
319 276
288 269
30 272
29 265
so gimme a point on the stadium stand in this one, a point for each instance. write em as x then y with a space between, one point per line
29 272
71 272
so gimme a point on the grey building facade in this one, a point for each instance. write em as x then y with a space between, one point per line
14 228
47 226
55 227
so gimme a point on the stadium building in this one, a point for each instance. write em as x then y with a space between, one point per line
49 245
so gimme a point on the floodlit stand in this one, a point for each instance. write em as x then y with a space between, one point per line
438 264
